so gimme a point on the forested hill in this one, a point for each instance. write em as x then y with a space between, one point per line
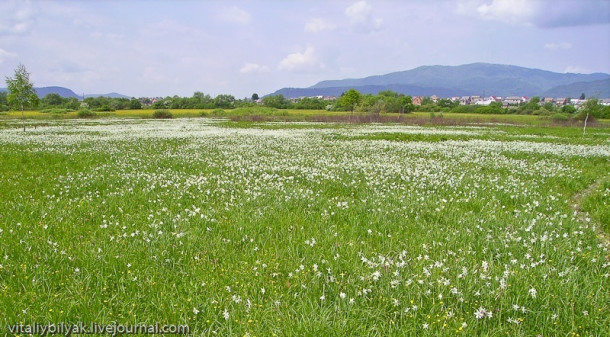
447 81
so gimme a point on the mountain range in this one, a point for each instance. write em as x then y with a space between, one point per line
65 93
483 79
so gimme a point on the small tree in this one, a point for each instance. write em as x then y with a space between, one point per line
350 99
407 104
21 93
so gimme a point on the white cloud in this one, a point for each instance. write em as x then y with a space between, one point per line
359 11
544 14
5 55
558 45
16 17
511 11
253 67
360 16
296 61
317 25
235 15
576 70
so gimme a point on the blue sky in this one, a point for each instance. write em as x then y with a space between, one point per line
161 48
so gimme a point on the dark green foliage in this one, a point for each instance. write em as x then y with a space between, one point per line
52 100
568 109
86 113
21 93
350 99
218 112
560 117
310 103
104 107
162 114
56 110
3 102
278 102
135 104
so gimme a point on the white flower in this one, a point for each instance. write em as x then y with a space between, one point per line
533 292
195 311
482 313
225 314
342 295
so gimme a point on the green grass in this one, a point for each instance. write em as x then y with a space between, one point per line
270 114
299 229
598 205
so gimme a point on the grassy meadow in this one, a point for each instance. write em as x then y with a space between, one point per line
296 115
305 228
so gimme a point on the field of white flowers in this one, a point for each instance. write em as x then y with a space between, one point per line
303 229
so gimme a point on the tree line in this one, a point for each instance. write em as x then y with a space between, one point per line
21 95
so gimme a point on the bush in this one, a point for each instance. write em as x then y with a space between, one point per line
162 114
105 107
560 117
86 113
56 110
582 115
259 110
218 112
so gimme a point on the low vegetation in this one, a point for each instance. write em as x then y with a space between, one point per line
302 228
162 114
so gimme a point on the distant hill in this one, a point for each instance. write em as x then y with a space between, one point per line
413 90
65 92
111 95
61 91
599 89
447 81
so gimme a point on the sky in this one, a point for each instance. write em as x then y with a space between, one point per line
165 48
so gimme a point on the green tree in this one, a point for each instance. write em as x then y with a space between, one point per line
568 109
255 97
549 106
350 99
52 100
427 101
276 101
582 96
3 101
21 93
224 101
135 103
407 104
446 103
592 108
534 103
71 103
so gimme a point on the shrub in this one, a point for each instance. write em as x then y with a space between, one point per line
86 113
56 110
560 117
105 107
259 110
218 112
162 114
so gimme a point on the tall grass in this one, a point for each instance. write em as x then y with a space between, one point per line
267 229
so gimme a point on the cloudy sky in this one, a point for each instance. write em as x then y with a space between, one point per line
160 48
